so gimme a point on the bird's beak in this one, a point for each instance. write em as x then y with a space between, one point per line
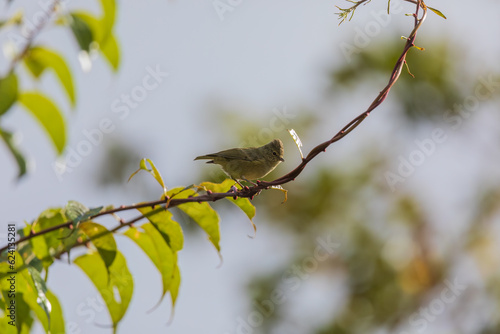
282 160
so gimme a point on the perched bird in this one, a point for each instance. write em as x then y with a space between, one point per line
249 163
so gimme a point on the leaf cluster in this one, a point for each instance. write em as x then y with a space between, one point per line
92 34
59 230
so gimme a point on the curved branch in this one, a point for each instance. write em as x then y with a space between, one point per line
261 185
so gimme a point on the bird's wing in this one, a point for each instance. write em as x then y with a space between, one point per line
231 155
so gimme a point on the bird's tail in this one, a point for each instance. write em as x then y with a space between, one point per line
203 157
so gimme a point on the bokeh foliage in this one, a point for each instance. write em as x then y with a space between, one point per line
389 258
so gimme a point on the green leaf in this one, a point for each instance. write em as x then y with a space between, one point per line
82 31
78 212
102 240
167 260
41 290
49 116
176 282
201 213
39 58
74 210
51 241
111 51
102 27
153 171
92 23
55 241
155 248
437 12
243 203
56 315
169 229
24 316
118 293
24 319
7 137
41 249
108 17
34 67
27 295
102 31
8 92
144 242
283 190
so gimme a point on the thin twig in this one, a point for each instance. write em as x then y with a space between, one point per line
31 37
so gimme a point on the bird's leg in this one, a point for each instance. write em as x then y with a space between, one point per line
239 183
255 184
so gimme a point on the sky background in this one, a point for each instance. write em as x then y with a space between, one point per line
261 57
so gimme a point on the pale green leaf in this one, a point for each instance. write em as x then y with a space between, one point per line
49 116
176 282
201 213
8 92
243 203
116 290
103 241
102 31
78 212
52 242
437 12
100 27
75 209
108 17
167 260
164 223
23 315
56 315
34 67
26 294
41 249
7 137
45 58
41 290
153 171
111 50
155 250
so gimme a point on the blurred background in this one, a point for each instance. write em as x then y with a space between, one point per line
395 229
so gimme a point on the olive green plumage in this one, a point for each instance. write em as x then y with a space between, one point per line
250 163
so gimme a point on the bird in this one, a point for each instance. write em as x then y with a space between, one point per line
249 163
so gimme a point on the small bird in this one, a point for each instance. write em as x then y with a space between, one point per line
249 163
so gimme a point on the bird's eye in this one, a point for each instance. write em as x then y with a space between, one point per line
274 153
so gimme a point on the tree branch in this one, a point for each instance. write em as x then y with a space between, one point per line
31 37
261 185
